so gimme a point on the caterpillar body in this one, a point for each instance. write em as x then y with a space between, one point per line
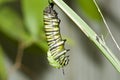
56 53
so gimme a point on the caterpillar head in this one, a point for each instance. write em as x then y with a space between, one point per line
58 63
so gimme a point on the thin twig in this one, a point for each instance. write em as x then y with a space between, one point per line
18 60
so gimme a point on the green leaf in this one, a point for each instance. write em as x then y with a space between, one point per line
11 24
3 72
33 16
43 45
89 9
4 1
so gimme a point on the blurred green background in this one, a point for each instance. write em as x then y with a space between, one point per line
23 46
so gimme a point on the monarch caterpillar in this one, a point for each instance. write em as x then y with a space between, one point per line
56 53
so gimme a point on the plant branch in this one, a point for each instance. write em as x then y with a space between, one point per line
19 55
89 33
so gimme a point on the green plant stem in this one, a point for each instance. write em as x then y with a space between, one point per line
89 33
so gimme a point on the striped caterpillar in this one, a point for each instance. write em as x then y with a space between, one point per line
56 53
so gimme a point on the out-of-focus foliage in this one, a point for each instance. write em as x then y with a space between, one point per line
89 9
11 24
24 22
4 1
3 72
33 16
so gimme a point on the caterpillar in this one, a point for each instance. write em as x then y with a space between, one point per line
56 54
